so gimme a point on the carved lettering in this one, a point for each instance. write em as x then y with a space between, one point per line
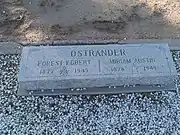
117 69
81 70
46 71
78 62
150 68
96 53
46 63
120 61
144 60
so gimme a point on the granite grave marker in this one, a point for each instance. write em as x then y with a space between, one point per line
96 69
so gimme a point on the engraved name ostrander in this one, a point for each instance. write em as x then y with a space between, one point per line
102 52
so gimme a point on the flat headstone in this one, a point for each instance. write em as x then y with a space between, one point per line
96 69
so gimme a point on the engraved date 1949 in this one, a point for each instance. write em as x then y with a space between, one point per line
150 68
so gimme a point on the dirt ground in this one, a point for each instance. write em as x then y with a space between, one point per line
51 20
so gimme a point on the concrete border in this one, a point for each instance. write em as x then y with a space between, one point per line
16 48
10 48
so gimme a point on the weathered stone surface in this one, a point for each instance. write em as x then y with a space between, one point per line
10 48
95 69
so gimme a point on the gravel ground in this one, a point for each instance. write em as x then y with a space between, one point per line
126 114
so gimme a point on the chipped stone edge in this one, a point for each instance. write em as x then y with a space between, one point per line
16 48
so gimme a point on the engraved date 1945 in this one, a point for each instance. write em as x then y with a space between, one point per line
81 70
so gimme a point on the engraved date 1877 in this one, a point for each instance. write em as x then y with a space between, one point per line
48 71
